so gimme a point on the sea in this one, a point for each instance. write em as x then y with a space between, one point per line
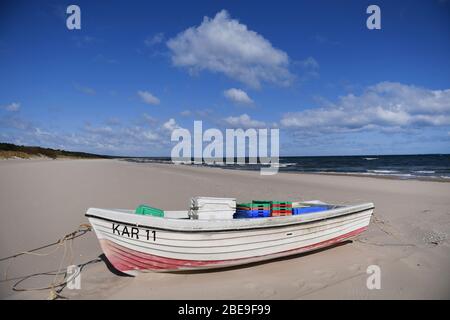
428 167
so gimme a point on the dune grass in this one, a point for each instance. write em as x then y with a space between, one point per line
9 150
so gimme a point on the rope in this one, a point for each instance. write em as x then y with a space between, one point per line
386 244
55 287
83 228
378 222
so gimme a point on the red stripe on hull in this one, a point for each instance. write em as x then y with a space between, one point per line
129 261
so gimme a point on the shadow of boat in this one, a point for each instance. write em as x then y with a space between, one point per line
111 267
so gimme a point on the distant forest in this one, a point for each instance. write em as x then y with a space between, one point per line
9 150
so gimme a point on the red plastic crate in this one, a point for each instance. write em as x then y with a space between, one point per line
281 213
278 213
281 208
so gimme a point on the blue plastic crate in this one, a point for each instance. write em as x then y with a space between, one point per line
308 210
252 214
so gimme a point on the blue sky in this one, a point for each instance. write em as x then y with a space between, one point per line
138 69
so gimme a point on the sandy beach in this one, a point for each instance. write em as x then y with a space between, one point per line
41 200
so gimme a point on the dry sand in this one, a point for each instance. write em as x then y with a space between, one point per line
41 200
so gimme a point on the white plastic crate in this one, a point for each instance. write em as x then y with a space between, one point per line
212 215
210 203
211 208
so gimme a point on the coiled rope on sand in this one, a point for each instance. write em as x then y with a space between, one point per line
55 287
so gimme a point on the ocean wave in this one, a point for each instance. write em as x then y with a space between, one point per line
370 159
283 165
394 175
425 171
383 171
398 175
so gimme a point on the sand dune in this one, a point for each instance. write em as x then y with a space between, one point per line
41 200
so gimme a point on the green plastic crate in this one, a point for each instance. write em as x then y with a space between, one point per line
243 204
275 205
267 202
149 211
289 203
253 205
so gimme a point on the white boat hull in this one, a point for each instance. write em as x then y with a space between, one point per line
134 243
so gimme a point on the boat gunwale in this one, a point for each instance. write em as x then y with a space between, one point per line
253 223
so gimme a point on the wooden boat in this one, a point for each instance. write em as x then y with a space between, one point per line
136 243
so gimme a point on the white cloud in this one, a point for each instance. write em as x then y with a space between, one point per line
309 62
12 107
243 121
149 119
122 139
148 98
386 106
155 39
186 113
170 125
99 130
226 46
310 69
237 95
151 136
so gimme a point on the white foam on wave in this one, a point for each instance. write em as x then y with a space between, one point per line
383 171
